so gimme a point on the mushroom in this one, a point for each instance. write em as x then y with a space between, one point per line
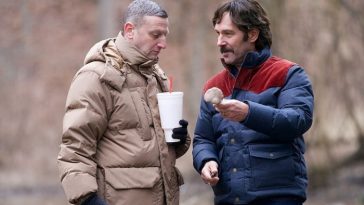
214 95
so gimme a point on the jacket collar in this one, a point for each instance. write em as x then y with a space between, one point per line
132 55
252 60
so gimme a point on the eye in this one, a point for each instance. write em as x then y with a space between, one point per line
228 33
156 35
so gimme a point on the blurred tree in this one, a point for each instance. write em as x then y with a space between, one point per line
349 68
197 55
26 20
106 19
277 12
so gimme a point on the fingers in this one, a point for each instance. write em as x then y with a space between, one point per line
210 180
183 123
214 181
223 105
179 131
217 109
233 110
213 171
209 173
222 108
205 175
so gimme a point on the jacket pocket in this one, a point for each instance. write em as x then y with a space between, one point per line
272 166
132 178
137 186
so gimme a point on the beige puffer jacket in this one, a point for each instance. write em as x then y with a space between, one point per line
112 141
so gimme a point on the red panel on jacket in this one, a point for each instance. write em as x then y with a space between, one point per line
272 73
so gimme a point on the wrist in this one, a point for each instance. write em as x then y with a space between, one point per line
246 111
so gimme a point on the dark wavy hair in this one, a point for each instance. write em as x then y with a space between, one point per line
246 15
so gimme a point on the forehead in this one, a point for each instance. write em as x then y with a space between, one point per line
154 22
226 23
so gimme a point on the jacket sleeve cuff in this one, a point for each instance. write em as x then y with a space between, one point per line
78 185
181 149
200 159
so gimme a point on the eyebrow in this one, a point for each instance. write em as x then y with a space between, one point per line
159 31
225 31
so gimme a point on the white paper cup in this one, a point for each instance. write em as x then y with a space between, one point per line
170 106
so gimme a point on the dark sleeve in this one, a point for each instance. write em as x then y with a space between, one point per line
294 113
204 143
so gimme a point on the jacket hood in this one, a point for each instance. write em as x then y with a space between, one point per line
120 51
96 53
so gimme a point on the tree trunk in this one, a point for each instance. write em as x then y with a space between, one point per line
106 16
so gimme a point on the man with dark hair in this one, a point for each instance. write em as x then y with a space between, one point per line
113 148
249 147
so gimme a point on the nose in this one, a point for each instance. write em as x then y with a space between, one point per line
162 43
220 41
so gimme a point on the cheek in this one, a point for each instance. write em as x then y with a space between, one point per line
153 45
147 45
239 48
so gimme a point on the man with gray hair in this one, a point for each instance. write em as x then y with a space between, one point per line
113 150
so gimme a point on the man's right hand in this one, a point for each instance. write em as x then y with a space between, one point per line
209 173
94 200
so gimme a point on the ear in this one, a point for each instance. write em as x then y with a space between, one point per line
129 30
253 35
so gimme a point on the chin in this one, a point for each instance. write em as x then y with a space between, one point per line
228 61
152 57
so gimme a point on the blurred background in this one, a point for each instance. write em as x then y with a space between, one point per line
43 44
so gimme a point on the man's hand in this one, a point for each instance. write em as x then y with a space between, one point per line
181 132
234 110
94 200
209 173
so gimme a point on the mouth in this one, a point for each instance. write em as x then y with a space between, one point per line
156 52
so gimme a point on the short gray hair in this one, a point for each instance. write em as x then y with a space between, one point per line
140 8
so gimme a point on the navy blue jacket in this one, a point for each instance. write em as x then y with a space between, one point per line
261 157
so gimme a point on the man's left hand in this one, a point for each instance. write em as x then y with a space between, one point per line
181 132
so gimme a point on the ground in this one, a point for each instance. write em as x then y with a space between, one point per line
346 187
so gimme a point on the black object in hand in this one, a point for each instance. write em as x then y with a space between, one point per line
94 200
181 132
